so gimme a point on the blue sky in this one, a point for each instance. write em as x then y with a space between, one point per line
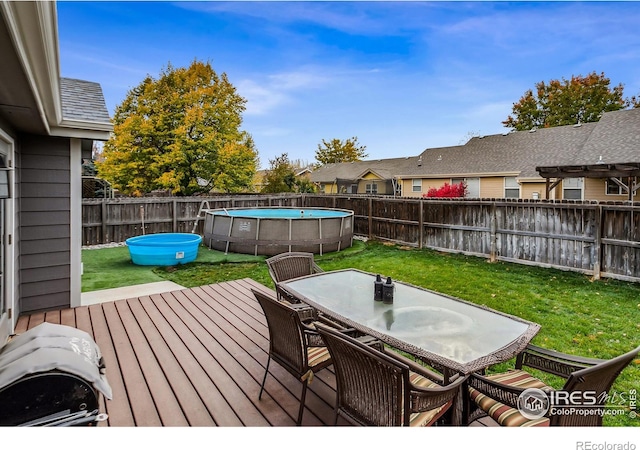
400 76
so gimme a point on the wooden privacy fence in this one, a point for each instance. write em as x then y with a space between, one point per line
115 220
595 238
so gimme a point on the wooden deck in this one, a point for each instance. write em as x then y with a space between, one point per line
193 357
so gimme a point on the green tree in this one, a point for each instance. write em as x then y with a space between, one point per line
566 102
279 177
180 132
304 186
337 151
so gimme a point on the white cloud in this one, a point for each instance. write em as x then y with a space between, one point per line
359 18
260 98
278 90
84 56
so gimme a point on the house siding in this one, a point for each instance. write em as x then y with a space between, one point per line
527 190
330 188
492 187
371 178
45 222
596 189
427 183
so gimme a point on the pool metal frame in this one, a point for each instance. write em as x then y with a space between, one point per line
262 236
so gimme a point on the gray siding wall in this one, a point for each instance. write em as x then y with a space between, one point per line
44 223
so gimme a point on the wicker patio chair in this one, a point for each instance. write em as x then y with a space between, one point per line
378 387
293 344
286 266
497 395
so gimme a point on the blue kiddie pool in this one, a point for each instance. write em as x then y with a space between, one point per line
163 249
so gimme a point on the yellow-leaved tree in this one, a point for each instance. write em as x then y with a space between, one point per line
180 132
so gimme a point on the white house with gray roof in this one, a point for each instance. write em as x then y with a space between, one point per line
46 123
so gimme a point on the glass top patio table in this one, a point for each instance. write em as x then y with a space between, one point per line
445 331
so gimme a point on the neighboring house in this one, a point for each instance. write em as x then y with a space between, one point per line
304 173
506 165
362 177
47 126
496 166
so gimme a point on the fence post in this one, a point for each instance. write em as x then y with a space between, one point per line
421 223
370 218
103 220
493 233
174 215
598 244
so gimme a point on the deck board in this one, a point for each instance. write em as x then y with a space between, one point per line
193 357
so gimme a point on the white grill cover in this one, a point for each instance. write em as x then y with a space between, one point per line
53 347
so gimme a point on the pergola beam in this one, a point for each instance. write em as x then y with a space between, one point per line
616 172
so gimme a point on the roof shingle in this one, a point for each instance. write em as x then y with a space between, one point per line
83 101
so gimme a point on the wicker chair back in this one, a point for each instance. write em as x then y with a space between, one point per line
597 380
291 344
286 266
286 340
373 388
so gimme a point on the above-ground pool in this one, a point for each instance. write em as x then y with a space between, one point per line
163 249
270 231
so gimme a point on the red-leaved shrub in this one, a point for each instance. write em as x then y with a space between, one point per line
458 190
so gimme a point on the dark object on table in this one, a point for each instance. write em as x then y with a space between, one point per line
377 288
387 291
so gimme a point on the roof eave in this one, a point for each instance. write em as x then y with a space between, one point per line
462 175
33 27
98 131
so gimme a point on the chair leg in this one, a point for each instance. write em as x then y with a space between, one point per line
266 371
302 399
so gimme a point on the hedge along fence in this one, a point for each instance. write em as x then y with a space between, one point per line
599 239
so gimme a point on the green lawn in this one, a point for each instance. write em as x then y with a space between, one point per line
578 315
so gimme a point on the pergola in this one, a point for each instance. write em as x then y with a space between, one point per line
623 174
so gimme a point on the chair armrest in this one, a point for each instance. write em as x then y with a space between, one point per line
424 399
316 268
415 367
553 362
305 312
314 339
371 341
337 325
500 392
284 295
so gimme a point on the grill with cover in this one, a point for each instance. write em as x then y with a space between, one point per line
51 375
